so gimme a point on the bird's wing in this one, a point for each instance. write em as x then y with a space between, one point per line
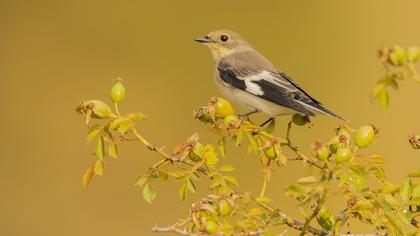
269 84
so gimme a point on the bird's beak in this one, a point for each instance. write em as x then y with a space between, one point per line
204 39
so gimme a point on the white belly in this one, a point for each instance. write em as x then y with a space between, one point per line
251 101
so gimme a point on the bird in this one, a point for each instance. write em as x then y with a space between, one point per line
246 77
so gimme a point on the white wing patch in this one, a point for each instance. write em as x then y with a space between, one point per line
253 88
267 76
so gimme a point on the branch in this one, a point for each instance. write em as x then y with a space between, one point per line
172 229
295 224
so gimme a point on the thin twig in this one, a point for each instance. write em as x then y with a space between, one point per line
295 224
172 229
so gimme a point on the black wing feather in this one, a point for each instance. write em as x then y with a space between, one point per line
272 92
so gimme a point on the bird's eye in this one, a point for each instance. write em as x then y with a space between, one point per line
224 38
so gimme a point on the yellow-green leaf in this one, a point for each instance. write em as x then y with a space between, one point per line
384 99
271 126
137 116
221 146
253 143
415 173
100 148
99 167
87 177
183 192
226 168
232 180
148 193
191 186
93 132
308 180
113 150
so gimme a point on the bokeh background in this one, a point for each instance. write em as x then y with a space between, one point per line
55 53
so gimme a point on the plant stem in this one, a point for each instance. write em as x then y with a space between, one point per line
116 109
318 207
295 224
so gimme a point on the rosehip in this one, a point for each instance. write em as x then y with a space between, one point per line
364 136
100 110
211 226
343 155
223 108
299 119
322 153
117 91
270 153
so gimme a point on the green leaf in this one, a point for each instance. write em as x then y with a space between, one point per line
125 125
191 186
148 193
87 177
137 116
113 150
183 192
100 148
215 183
238 137
390 188
384 99
253 143
221 146
99 167
232 180
415 173
282 159
141 180
307 180
406 190
210 155
271 126
93 132
227 168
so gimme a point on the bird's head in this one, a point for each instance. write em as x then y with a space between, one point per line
223 43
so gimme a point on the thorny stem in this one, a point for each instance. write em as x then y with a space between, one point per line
295 149
295 224
318 207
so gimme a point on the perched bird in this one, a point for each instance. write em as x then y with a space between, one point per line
245 76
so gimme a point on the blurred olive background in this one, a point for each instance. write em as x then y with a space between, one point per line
55 53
